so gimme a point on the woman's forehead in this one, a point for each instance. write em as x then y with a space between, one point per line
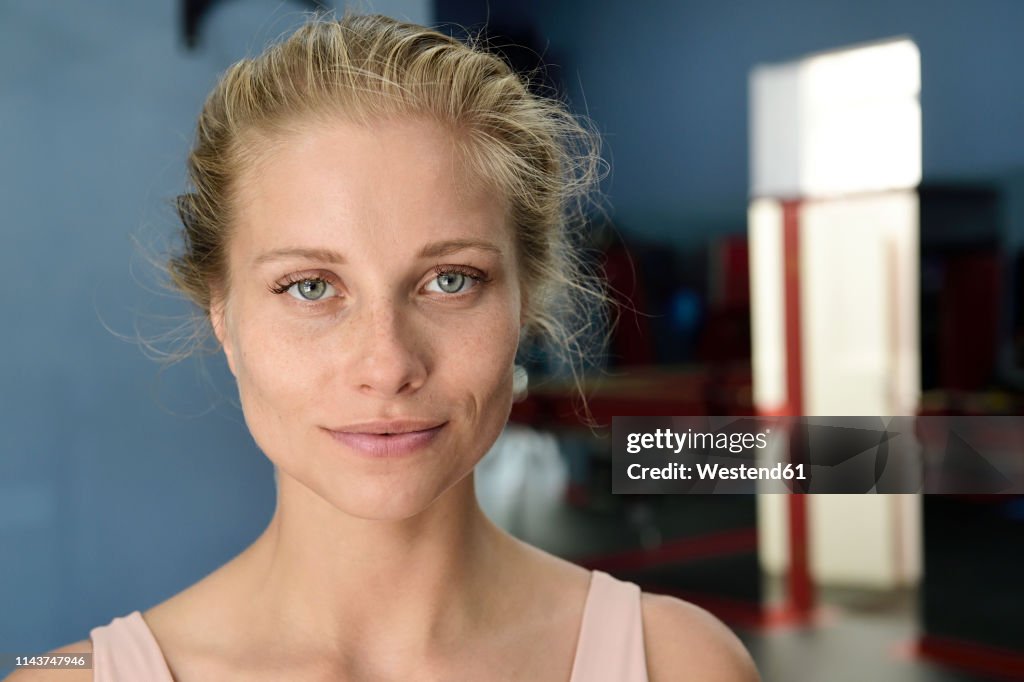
402 181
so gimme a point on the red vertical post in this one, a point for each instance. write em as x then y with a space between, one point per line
800 588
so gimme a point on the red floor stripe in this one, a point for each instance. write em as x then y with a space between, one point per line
976 658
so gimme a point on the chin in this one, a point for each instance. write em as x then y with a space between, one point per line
395 497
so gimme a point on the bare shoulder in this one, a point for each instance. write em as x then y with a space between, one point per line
57 675
683 641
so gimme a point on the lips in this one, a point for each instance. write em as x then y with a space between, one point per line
393 438
391 426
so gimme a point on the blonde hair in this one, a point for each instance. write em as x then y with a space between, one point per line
543 160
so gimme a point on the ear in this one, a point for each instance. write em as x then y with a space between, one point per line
219 322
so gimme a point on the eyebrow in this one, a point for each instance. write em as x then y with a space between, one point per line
325 255
451 246
434 250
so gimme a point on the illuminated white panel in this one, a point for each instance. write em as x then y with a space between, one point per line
767 305
859 319
773 531
853 540
842 122
903 254
775 131
861 120
858 304
842 133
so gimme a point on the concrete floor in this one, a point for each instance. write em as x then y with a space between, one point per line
861 636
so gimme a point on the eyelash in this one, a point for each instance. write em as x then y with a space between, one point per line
292 280
478 276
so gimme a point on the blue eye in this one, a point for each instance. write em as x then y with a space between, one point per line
451 282
310 289
454 281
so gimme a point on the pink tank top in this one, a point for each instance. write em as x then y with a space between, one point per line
610 646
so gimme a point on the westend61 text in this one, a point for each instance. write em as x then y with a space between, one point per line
716 472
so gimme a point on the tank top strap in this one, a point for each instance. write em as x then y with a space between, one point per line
126 651
611 639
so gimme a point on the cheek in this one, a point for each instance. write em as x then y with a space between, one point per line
479 367
496 352
276 378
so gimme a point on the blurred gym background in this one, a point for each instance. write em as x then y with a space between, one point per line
718 184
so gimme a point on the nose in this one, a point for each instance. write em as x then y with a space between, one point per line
389 355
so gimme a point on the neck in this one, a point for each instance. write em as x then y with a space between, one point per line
417 585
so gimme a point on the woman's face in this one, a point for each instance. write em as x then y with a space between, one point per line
373 289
